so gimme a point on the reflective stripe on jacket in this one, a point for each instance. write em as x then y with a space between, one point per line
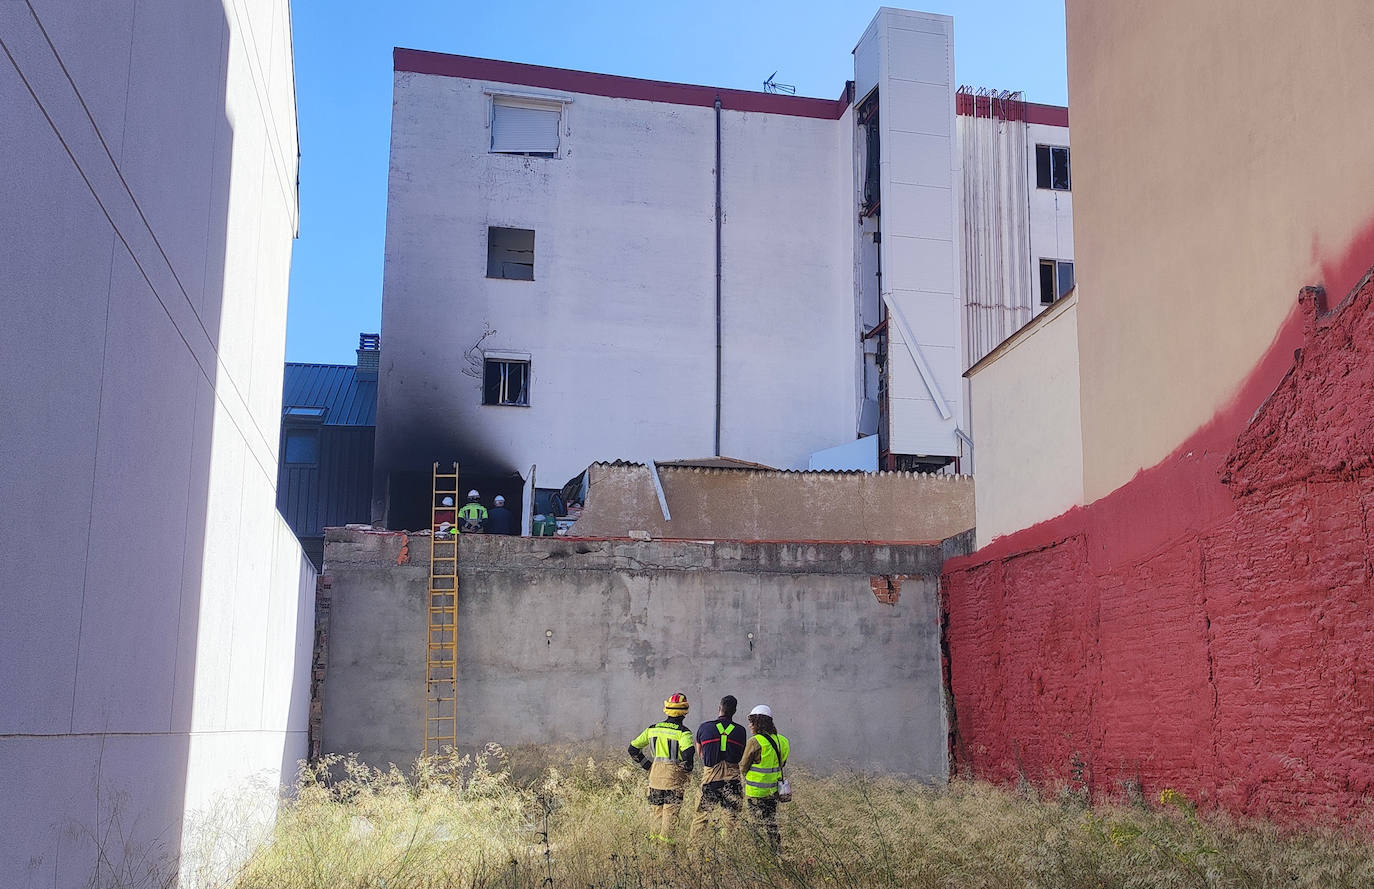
473 512
669 739
762 778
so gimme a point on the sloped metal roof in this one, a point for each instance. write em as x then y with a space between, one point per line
347 400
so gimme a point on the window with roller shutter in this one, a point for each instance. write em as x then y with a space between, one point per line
524 126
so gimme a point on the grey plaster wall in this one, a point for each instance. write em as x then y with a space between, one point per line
852 681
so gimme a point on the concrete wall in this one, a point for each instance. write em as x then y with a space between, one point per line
1203 204
619 321
738 504
147 207
1026 429
853 680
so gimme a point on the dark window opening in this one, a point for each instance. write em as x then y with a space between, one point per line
1052 167
1056 279
506 383
302 447
510 253
868 119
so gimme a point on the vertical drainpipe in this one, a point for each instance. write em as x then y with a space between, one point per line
718 209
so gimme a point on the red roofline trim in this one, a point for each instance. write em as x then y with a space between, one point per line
586 83
969 105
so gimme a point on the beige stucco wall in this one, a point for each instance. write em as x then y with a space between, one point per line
1220 155
737 504
1026 432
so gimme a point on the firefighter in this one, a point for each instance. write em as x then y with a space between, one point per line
473 515
669 763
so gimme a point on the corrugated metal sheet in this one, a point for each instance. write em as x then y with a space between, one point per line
348 401
335 490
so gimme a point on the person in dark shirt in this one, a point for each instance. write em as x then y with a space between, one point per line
720 745
499 519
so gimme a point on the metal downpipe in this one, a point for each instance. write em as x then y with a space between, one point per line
718 286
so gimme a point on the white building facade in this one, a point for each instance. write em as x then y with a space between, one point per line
582 267
158 612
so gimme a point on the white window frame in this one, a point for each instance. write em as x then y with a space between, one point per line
534 101
1068 164
506 358
1058 264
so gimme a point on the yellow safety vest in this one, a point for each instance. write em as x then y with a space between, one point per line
761 780
669 740
473 512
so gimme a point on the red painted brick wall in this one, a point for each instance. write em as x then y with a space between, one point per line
1207 627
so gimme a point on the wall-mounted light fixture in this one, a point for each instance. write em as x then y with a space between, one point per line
548 637
751 641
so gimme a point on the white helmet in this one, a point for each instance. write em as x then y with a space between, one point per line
499 501
762 710
448 501
473 495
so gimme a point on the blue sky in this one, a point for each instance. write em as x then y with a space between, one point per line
343 84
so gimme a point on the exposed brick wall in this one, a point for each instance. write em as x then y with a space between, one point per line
1210 625
887 588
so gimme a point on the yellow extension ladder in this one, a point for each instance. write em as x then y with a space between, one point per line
441 643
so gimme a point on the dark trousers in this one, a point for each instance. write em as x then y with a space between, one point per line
725 796
764 810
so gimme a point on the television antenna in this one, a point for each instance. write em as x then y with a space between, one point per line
772 86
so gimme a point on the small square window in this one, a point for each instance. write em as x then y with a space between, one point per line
506 383
524 126
302 447
1056 279
510 253
1052 167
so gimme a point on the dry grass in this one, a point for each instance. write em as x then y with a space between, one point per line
364 828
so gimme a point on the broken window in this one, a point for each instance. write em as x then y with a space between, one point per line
524 126
1056 279
506 382
510 253
1052 167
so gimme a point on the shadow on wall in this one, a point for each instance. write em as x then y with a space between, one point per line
116 195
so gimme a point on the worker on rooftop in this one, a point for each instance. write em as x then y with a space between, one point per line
501 520
670 744
472 518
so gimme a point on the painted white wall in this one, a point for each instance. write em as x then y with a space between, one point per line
619 321
158 605
1027 431
1051 212
919 259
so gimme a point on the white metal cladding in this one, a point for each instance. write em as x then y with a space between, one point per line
524 126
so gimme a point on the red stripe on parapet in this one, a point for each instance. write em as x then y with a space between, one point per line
612 86
971 105
1049 115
